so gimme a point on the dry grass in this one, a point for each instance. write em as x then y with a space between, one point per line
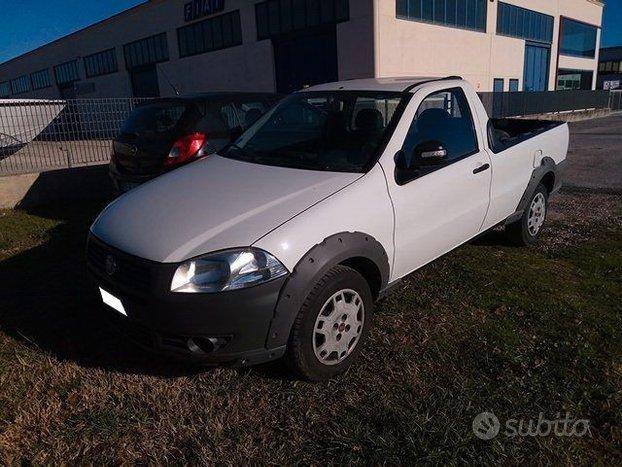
488 327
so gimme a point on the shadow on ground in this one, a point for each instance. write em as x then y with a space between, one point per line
48 301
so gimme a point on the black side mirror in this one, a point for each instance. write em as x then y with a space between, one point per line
430 153
423 159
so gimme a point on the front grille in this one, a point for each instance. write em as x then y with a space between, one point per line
130 271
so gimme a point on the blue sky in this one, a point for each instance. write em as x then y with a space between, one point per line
29 24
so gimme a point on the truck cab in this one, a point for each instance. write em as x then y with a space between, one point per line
279 245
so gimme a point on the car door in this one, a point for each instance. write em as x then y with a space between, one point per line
439 202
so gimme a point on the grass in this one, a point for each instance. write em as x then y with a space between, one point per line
488 327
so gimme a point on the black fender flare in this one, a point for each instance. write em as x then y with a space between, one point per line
548 165
312 266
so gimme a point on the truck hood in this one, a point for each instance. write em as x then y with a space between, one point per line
210 205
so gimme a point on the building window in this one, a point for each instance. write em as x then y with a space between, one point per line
519 22
578 39
146 51
40 79
67 72
5 89
498 85
513 85
276 17
574 79
21 85
214 33
101 63
465 14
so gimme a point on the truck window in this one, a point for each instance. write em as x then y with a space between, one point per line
444 117
338 131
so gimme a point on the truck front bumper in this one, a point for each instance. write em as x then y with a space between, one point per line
227 328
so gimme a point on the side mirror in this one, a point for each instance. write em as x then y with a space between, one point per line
430 153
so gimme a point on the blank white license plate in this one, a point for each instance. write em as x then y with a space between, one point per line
112 301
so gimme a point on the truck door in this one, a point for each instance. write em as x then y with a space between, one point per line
439 181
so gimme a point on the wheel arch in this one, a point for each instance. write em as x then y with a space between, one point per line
357 250
547 173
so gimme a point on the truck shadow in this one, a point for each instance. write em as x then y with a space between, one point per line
48 302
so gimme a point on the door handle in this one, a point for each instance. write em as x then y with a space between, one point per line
481 168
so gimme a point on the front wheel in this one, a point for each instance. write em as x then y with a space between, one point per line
331 325
526 230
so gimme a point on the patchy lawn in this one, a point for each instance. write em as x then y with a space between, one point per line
489 327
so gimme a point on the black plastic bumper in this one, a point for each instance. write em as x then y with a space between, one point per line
123 182
230 328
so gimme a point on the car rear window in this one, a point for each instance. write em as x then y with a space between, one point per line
156 118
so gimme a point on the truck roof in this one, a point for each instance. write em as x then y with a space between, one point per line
399 84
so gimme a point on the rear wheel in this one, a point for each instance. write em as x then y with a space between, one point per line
526 230
331 325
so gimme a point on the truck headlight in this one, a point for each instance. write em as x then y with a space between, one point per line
226 270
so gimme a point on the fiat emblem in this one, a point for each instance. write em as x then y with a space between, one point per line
111 265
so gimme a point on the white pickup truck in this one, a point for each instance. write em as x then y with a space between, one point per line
280 244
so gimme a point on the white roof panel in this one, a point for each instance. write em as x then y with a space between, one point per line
371 84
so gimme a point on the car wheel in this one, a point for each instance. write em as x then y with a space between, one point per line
526 230
331 325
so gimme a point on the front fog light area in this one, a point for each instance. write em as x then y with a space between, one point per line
226 270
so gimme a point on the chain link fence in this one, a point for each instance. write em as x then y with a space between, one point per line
41 135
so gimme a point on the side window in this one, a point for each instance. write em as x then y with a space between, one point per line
444 118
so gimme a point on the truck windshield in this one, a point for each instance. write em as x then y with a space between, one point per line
339 131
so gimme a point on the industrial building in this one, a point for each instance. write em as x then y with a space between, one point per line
610 68
165 47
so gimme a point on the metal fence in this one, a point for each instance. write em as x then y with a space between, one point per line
40 135
514 104
615 99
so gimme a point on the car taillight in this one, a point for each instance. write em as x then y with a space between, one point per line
185 148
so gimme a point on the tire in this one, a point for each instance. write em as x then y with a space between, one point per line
342 301
527 229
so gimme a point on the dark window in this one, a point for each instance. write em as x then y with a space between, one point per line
525 24
334 131
40 79
513 85
21 85
67 72
444 117
467 14
574 79
578 39
146 51
5 89
498 85
158 118
287 17
276 17
101 63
